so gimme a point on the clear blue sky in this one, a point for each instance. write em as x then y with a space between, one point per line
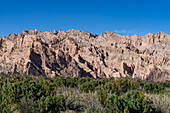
126 17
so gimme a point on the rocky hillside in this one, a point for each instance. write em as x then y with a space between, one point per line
79 54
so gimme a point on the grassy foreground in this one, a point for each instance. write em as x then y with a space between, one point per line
23 94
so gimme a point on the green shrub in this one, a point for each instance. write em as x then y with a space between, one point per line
102 95
90 95
51 104
115 104
137 102
132 102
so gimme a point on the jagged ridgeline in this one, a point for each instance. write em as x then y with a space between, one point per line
79 54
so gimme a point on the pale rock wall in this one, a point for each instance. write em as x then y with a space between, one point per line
78 54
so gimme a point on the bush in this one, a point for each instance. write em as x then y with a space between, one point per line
51 104
137 102
132 102
115 104
87 94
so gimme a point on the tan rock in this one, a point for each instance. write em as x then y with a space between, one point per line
78 54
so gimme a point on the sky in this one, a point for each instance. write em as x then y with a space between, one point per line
126 17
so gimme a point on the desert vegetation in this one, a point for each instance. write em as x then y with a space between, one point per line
30 94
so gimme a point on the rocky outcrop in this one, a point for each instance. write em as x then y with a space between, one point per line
79 54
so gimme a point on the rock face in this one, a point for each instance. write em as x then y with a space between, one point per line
78 54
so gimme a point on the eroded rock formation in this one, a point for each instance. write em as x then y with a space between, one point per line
78 54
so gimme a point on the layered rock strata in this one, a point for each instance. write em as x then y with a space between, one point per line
79 54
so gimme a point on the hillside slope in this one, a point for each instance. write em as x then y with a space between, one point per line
78 54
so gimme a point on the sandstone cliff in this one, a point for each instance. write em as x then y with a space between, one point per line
78 54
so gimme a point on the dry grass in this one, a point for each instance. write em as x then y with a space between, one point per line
80 101
161 102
